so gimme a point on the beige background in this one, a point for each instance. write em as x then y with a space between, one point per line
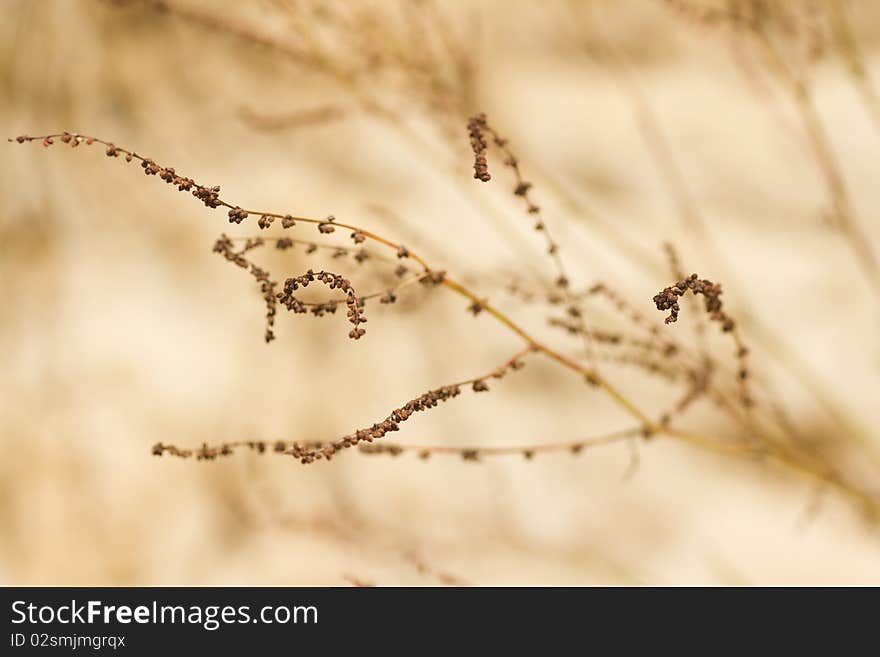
120 328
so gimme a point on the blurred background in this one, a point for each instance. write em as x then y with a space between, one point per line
639 123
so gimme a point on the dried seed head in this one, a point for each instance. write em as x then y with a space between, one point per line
433 277
334 282
667 299
237 215
476 129
477 307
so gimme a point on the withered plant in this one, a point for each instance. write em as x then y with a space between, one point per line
420 59
648 346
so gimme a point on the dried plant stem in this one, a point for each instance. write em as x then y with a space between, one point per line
479 128
210 197
311 451
475 452
311 245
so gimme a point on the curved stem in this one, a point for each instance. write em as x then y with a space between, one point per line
590 375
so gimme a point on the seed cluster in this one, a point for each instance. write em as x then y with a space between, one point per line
205 452
423 402
334 282
210 196
237 215
431 277
667 299
327 226
476 307
225 246
477 128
